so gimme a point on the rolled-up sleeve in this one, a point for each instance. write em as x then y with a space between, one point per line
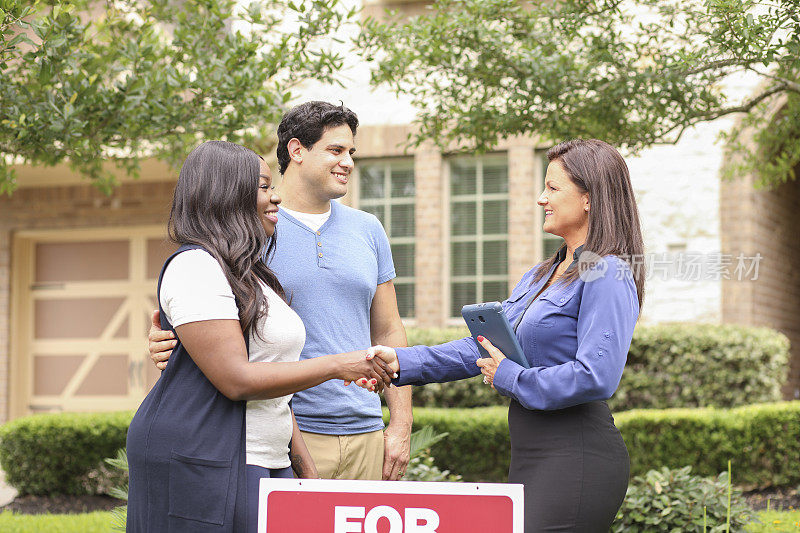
431 364
607 316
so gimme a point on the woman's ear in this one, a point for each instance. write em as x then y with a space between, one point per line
586 203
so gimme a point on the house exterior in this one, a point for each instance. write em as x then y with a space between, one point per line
78 269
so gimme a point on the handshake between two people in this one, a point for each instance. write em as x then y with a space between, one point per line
384 367
371 369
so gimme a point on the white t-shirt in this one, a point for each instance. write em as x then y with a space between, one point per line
312 220
194 288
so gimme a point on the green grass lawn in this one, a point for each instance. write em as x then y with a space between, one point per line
769 521
98 522
101 522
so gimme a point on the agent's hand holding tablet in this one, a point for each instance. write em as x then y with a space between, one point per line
489 320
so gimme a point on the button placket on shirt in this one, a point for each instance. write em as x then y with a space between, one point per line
320 255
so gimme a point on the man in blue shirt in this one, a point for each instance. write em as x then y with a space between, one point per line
335 265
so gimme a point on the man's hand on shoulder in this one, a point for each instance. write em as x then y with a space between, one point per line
161 342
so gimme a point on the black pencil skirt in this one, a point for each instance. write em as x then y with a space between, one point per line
573 463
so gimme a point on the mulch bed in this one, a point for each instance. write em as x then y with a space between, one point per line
779 498
61 504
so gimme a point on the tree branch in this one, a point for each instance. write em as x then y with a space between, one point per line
610 6
718 64
791 85
747 106
744 108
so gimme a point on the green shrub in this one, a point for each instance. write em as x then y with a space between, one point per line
433 336
477 445
421 466
702 365
675 500
61 453
761 441
673 365
471 392
120 464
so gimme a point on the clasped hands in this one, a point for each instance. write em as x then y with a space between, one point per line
384 360
384 364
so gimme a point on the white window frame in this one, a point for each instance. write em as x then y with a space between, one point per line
479 198
387 202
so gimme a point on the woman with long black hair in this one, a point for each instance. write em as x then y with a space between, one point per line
219 420
574 316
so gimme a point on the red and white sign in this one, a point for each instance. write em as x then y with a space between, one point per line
337 506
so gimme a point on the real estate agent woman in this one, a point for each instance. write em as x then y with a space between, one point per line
574 320
218 420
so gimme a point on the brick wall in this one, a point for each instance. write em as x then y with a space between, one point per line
5 298
429 262
64 207
765 222
524 215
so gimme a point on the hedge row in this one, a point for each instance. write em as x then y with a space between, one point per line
760 440
702 365
674 365
61 453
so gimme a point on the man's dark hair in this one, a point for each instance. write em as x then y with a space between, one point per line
307 122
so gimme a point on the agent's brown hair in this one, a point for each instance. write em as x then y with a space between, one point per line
596 168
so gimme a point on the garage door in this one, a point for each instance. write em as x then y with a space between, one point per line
81 309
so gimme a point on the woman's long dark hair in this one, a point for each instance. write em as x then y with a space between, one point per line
215 206
599 170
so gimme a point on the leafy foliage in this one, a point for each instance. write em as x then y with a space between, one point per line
702 365
50 454
633 73
669 365
423 439
760 440
120 514
61 453
477 444
421 466
91 83
675 500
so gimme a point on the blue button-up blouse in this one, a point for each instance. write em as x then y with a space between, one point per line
576 338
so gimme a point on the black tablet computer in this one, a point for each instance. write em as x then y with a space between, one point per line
489 320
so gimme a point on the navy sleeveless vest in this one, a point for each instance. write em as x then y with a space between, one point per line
186 451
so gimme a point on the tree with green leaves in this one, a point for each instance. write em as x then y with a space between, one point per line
634 73
93 82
